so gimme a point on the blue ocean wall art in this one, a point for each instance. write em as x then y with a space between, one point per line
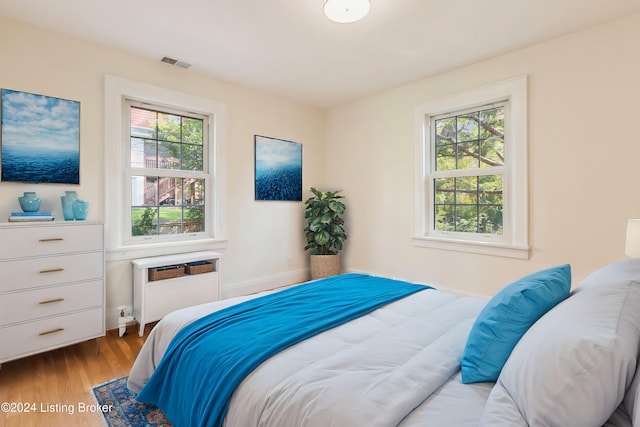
40 138
278 169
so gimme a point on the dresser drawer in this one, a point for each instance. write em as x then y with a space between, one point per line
46 334
31 241
51 301
30 273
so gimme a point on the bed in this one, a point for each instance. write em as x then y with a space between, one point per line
535 354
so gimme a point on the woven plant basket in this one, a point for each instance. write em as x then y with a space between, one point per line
324 266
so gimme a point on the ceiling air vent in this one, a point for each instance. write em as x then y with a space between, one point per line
169 61
172 61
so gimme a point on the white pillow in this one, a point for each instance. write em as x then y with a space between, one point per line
631 400
501 410
573 366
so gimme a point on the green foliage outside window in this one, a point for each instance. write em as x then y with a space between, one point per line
167 204
472 141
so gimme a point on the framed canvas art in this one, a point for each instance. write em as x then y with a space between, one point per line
40 138
278 169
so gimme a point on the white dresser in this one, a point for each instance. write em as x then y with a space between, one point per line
52 286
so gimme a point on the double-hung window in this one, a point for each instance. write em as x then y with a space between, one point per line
469 174
472 171
165 168
169 171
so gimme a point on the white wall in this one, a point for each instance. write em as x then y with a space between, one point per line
584 150
265 239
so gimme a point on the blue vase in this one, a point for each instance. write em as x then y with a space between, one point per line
80 209
67 208
29 202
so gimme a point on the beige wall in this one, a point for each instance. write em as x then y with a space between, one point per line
584 149
265 243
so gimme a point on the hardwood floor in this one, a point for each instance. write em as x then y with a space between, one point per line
56 384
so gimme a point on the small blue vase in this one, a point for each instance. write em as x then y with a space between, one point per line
67 208
29 202
80 209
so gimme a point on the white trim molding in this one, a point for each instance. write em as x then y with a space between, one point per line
514 242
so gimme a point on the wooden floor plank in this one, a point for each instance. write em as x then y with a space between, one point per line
55 382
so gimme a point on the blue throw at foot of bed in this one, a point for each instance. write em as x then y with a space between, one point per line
208 358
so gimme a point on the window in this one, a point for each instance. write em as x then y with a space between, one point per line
165 168
469 170
472 171
168 170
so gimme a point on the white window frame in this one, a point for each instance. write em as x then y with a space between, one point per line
514 242
119 243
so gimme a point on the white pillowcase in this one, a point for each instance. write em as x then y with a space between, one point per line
573 366
631 402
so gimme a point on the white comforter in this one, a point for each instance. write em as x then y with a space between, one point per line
394 366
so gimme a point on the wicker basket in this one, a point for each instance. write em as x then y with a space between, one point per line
166 272
199 267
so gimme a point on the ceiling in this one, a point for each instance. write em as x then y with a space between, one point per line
288 47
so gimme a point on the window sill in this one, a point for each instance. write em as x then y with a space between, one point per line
125 253
483 248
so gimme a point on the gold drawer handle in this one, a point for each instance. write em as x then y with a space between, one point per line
53 270
53 331
51 300
53 239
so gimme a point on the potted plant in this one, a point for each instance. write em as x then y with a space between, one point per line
324 232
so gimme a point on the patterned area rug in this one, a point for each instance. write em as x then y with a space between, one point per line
127 411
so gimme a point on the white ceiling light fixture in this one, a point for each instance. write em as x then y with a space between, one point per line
345 11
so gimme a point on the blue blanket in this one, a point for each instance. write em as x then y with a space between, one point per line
208 358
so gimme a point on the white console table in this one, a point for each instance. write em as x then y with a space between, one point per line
153 299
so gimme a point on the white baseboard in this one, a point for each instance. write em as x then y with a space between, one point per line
265 283
462 292
438 287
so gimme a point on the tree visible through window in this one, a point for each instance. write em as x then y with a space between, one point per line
168 171
471 188
468 174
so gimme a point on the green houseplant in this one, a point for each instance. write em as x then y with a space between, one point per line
324 232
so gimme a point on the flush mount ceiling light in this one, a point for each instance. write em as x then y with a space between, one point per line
344 11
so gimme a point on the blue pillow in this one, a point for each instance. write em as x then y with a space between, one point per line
506 318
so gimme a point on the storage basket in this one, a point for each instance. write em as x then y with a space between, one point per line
166 272
199 267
